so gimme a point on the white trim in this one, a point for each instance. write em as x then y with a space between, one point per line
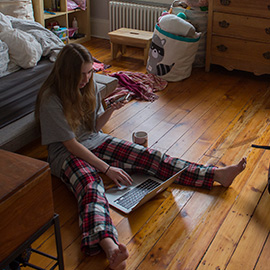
100 28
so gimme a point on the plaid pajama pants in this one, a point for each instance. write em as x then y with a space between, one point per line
86 184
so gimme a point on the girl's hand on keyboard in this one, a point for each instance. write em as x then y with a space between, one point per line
119 176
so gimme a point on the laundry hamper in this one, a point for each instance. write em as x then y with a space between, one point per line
171 56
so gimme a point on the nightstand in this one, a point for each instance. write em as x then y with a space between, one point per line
26 206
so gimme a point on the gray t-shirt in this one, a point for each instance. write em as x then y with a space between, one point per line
55 129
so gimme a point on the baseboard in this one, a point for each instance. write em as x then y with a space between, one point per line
100 28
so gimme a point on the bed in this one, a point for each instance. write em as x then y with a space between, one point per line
27 53
18 92
32 50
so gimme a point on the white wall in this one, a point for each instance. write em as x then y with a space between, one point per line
99 18
99 15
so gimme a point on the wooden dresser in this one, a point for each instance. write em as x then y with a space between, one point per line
26 201
238 35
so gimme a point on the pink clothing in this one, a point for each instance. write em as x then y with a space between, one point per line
139 85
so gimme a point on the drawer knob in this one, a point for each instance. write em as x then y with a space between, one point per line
266 55
222 48
267 31
268 7
225 2
224 24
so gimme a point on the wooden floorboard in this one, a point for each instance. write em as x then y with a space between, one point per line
208 118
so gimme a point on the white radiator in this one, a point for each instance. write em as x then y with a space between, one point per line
132 15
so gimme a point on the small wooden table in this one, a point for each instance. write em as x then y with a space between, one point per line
26 206
123 37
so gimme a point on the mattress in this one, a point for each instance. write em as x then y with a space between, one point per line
18 91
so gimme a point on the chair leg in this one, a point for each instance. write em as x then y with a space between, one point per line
58 242
123 49
114 50
145 54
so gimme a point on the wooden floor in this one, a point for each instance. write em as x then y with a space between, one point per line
208 118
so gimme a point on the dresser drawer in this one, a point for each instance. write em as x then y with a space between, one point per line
252 28
260 8
240 54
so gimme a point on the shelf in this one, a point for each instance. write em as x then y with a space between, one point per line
64 17
75 10
78 40
50 16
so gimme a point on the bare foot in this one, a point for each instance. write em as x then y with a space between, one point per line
116 254
118 258
226 175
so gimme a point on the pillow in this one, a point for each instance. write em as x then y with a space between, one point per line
175 25
30 50
4 58
5 23
22 9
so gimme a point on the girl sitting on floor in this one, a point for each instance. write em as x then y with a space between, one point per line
71 117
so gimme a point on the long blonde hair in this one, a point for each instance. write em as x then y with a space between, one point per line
63 81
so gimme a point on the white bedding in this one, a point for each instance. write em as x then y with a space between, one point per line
27 42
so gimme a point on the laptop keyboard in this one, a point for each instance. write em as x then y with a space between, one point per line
131 198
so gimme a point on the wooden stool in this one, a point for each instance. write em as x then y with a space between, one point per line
123 37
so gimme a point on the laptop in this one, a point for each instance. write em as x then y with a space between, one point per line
143 188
